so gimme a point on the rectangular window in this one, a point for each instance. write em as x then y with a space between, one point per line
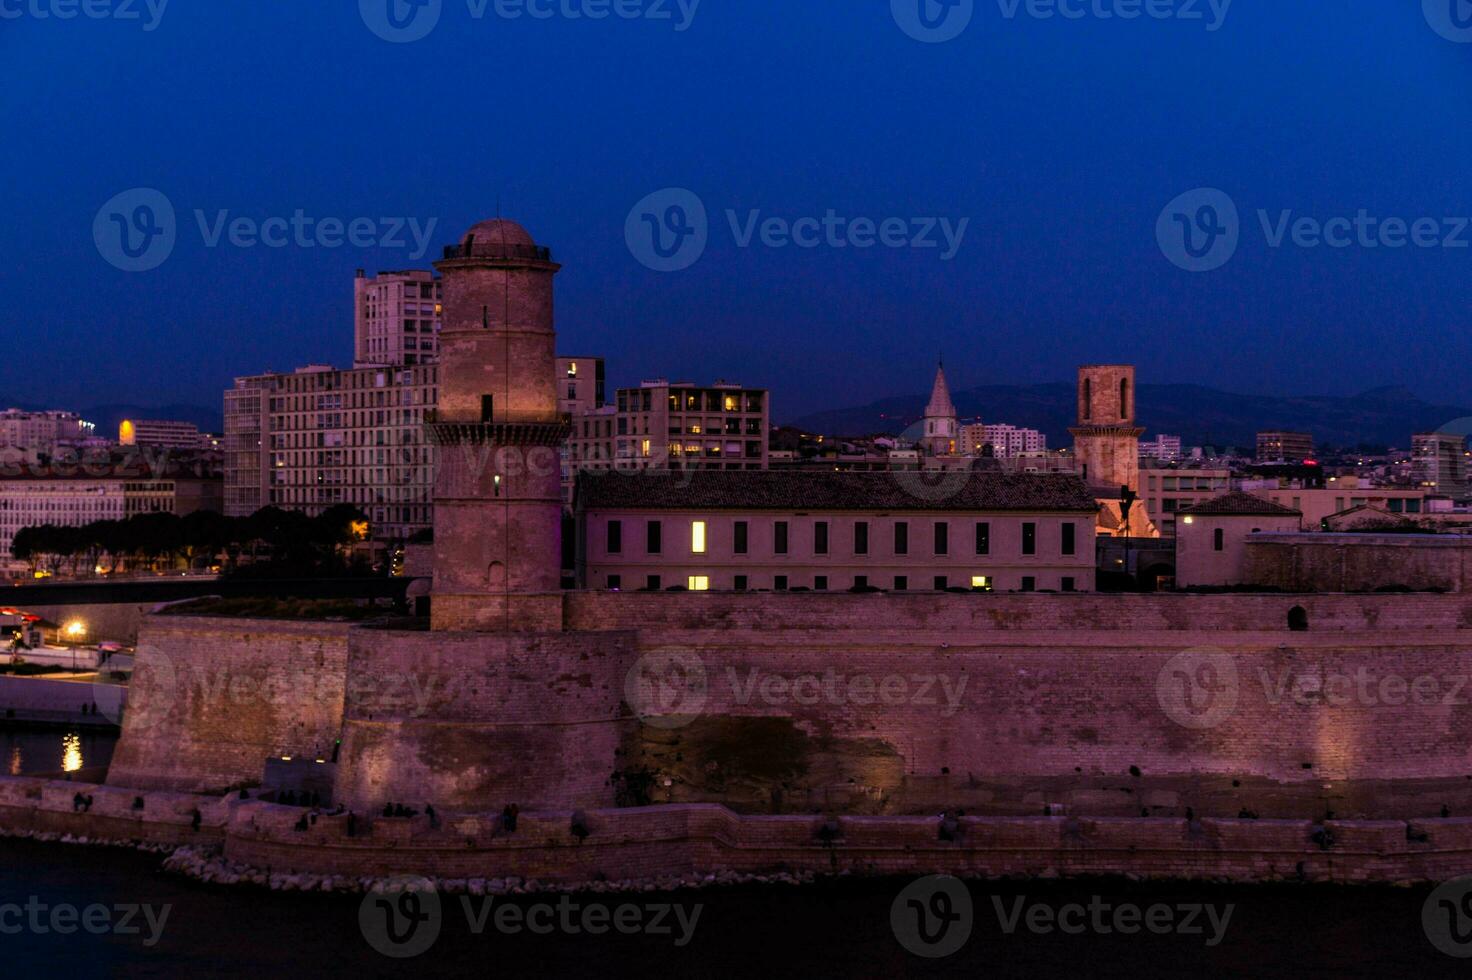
697 537
942 538
1029 584
615 582
615 537
981 582
487 408
861 581
1069 585
741 533
901 538
1219 539
1029 538
652 583
779 538
698 583
1070 536
654 539
861 538
940 583
820 538
820 583
741 583
984 538
901 583
781 583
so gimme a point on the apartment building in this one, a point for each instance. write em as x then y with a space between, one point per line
323 436
396 318
161 434
1439 463
1284 447
662 425
1007 441
30 432
794 530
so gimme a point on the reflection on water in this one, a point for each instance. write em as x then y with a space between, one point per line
27 751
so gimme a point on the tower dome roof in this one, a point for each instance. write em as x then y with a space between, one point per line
500 231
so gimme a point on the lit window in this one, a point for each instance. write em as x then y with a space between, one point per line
697 538
699 583
981 581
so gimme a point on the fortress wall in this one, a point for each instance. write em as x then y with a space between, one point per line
936 611
212 698
480 720
890 722
1359 562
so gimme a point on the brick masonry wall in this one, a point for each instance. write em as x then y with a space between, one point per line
212 699
1359 562
859 704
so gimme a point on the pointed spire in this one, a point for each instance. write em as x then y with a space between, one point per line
941 406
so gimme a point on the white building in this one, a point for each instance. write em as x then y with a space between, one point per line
160 434
396 318
1164 448
41 431
1007 441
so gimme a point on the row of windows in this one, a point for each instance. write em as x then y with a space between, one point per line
822 583
822 537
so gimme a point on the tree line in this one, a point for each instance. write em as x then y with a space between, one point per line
271 540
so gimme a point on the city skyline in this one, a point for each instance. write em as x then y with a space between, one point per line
1054 227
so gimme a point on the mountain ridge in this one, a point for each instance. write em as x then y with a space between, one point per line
1199 414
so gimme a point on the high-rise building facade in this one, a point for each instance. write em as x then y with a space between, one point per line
1167 449
161 434
321 436
1284 447
1439 462
664 425
397 318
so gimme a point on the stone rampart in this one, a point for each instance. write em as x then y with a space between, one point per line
212 699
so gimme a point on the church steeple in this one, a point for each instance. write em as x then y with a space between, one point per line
941 427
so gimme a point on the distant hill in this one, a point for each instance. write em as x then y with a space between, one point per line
1200 415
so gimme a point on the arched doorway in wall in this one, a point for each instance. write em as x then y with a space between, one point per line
1298 619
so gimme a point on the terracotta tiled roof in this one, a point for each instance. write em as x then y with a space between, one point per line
1240 503
808 491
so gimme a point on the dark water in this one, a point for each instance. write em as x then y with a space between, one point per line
833 929
34 750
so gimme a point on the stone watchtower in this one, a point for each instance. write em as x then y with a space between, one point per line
498 498
1106 441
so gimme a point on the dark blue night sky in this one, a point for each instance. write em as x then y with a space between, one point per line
1060 140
